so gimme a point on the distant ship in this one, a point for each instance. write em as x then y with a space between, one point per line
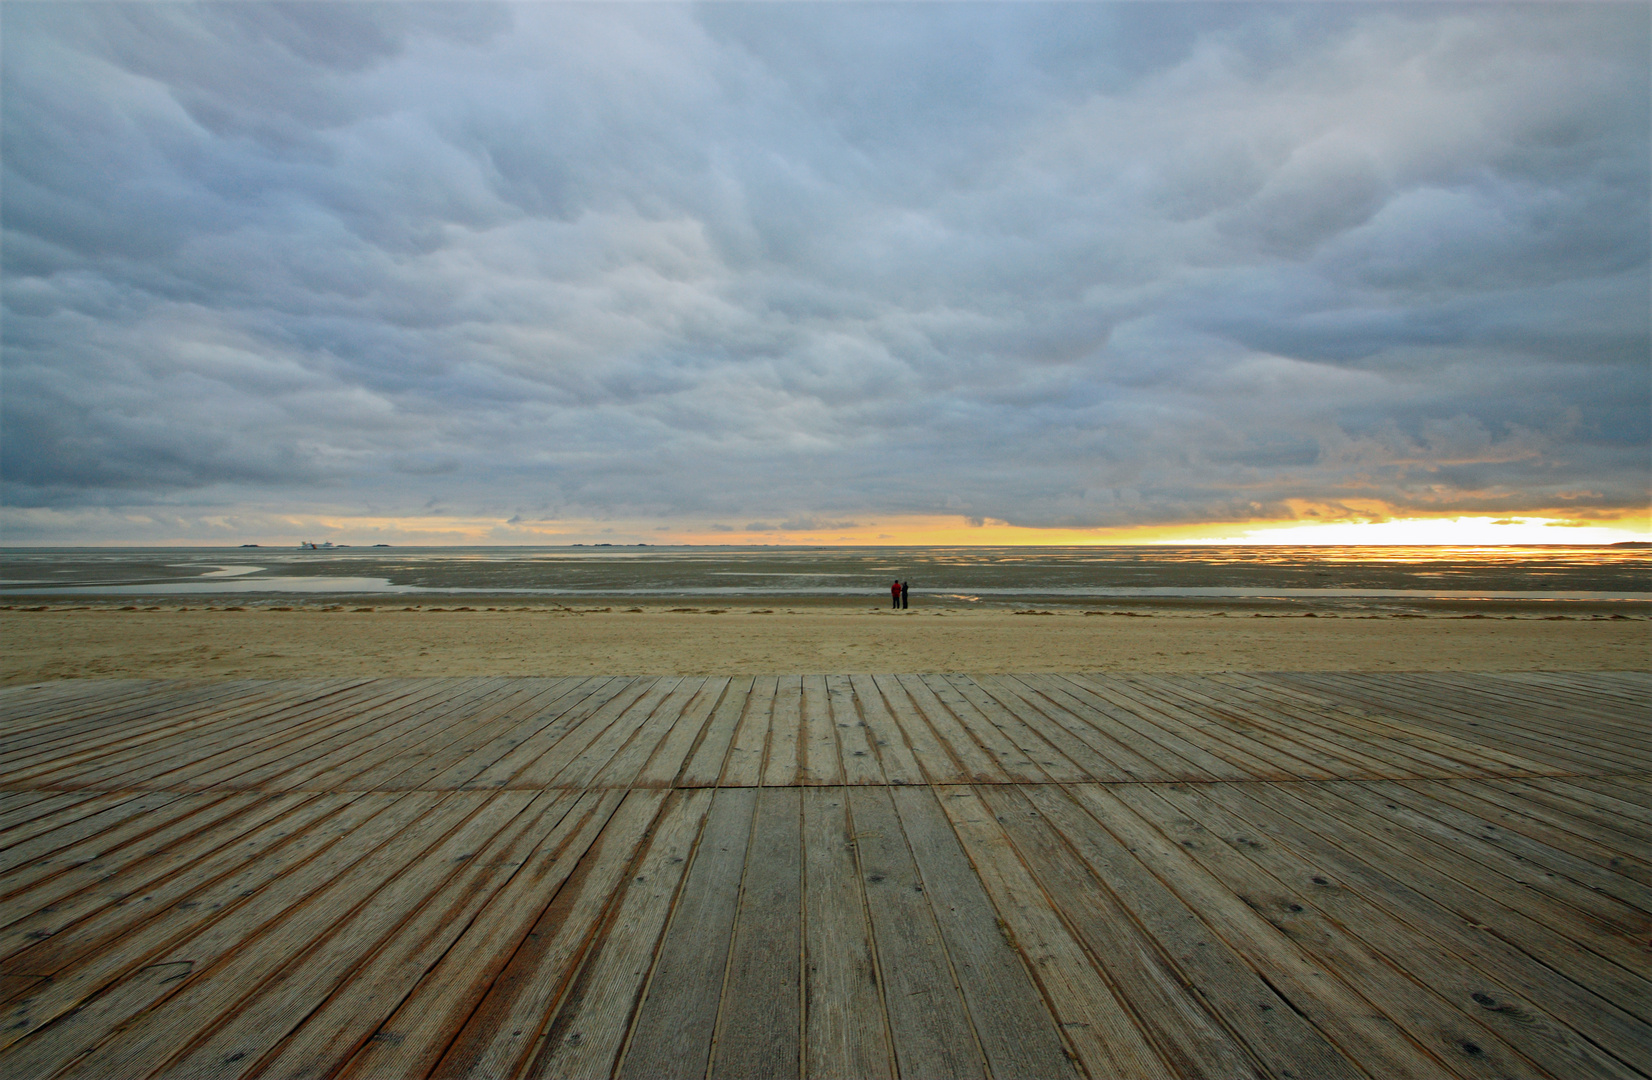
325 545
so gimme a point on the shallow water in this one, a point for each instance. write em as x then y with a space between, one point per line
959 575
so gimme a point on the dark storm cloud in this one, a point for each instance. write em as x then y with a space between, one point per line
1049 264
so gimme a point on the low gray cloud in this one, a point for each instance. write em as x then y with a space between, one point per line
808 265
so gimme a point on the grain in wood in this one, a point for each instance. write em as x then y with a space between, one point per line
781 760
932 756
928 1023
420 1030
672 758
707 761
846 1035
673 1032
1096 1024
860 760
895 757
587 1032
505 1026
744 767
818 761
759 1029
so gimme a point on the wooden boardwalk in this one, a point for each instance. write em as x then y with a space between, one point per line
1283 875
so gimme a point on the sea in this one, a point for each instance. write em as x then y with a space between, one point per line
1618 576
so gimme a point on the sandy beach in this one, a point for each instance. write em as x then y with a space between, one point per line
172 641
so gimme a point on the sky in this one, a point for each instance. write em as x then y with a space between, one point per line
839 272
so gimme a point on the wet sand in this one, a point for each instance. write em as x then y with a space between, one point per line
174 641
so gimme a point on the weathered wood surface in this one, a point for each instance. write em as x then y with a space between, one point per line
903 875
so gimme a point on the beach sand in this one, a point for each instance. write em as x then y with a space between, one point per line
262 642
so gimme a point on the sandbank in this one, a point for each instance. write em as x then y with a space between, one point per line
367 639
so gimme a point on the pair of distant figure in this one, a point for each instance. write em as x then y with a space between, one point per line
897 594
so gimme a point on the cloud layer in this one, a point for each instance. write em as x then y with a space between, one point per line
1063 265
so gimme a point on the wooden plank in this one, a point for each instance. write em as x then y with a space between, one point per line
111 734
1284 710
1627 690
632 750
1384 708
115 877
818 761
1111 732
142 1022
1128 709
1521 1023
1317 758
760 1028
553 715
116 845
1632 809
1044 755
119 925
781 761
241 741
41 804
895 757
1603 848
678 1017
341 751
1543 928
1511 951
584 762
673 757
707 762
846 1035
1376 734
1096 1023
1522 723
1241 748
1581 812
1014 761
179 737
1017 1033
1446 1033
1534 710
587 1032
1361 1032
504 1026
370 763
24 709
1597 891
91 708
860 761
744 767
929 1026
420 1030
532 763
932 756
301 986
479 729
16 806
1269 1024
1181 1021
1044 708
84 820
258 761
973 762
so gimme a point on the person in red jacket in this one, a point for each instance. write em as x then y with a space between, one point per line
895 593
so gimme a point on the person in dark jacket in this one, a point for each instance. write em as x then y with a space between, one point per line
903 594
